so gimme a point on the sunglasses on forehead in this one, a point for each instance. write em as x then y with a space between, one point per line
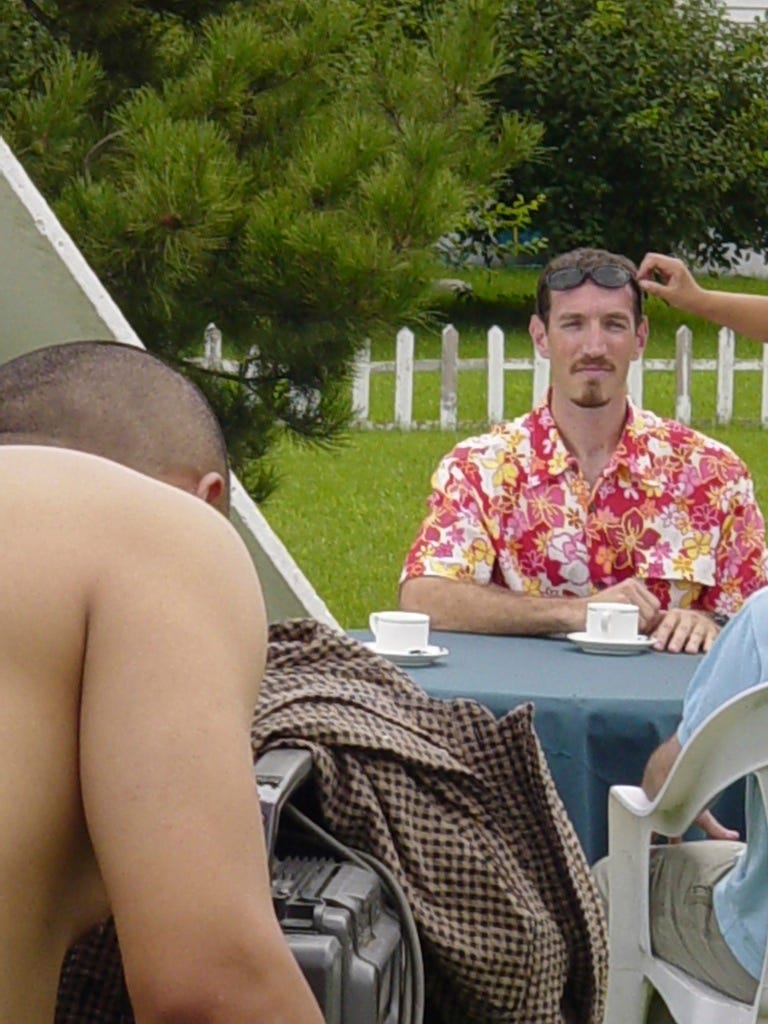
607 275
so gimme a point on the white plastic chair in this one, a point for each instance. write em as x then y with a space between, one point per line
731 743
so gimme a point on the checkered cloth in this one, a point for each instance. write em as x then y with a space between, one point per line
459 806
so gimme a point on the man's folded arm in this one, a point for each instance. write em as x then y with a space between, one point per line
466 606
469 607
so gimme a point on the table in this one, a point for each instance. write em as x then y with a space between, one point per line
598 717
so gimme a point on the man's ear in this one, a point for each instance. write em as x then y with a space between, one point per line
538 332
641 337
211 489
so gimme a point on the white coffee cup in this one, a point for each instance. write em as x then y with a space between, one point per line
400 632
609 620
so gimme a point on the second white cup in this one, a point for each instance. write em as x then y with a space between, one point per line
609 620
400 632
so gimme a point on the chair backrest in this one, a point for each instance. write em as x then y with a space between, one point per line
731 743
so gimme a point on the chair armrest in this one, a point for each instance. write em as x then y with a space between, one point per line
670 814
633 798
629 834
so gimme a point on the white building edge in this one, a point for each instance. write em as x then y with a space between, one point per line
747 10
51 295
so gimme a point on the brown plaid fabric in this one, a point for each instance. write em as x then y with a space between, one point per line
460 806
92 988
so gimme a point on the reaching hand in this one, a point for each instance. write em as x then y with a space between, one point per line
669 279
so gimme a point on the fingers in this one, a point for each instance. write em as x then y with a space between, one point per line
676 630
711 827
709 824
682 629
670 279
655 267
633 591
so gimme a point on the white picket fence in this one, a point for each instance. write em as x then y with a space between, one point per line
496 366
404 366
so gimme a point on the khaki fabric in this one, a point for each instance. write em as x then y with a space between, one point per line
684 929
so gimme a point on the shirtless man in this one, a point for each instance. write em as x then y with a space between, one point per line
132 645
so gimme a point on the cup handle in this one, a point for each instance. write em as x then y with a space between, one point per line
373 622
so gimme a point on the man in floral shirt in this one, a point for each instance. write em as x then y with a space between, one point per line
587 493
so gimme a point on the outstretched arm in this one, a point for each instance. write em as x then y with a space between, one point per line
175 654
670 279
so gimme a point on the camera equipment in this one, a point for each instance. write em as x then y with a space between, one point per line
343 914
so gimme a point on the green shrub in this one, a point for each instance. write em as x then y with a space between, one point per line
656 122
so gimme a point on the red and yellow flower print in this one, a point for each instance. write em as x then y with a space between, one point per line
673 507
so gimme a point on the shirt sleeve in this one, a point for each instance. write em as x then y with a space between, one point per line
738 660
454 540
741 558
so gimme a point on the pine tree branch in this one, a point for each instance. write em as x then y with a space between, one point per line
209 371
40 16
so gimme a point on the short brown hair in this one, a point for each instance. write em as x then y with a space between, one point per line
585 259
114 400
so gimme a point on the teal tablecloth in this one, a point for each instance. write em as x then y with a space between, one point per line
598 717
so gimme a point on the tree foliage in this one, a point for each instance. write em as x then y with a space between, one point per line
656 122
281 167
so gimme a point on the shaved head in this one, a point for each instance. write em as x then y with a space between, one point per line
117 401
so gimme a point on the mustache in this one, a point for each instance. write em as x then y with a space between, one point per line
592 364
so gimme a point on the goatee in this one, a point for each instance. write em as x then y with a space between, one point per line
591 397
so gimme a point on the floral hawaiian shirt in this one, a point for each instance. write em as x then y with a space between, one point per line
673 508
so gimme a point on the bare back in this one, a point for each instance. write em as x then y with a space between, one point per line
46 866
132 640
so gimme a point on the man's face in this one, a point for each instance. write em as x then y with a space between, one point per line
590 341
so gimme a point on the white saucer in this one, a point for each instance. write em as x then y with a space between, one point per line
593 646
422 656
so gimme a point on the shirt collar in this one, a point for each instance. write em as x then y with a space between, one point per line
548 443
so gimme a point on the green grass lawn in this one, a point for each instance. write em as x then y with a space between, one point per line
348 515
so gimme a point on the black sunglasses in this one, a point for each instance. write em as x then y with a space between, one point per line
607 275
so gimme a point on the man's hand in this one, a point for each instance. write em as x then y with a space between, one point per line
682 629
632 591
709 824
657 769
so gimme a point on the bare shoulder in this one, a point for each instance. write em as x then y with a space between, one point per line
102 534
81 490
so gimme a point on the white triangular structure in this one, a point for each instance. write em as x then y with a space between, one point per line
51 295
